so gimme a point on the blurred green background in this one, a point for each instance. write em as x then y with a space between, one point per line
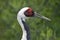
40 29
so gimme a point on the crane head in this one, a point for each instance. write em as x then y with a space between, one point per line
28 12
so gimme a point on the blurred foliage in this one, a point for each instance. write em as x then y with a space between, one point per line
40 29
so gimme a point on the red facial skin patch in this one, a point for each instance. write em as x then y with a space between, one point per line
29 11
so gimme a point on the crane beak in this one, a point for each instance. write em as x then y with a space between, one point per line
42 17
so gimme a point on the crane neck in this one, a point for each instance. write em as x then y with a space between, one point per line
25 29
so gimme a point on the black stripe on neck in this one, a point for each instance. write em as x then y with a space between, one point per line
27 30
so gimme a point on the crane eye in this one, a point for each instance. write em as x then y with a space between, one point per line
29 12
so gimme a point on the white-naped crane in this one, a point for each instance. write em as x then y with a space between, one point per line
23 14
